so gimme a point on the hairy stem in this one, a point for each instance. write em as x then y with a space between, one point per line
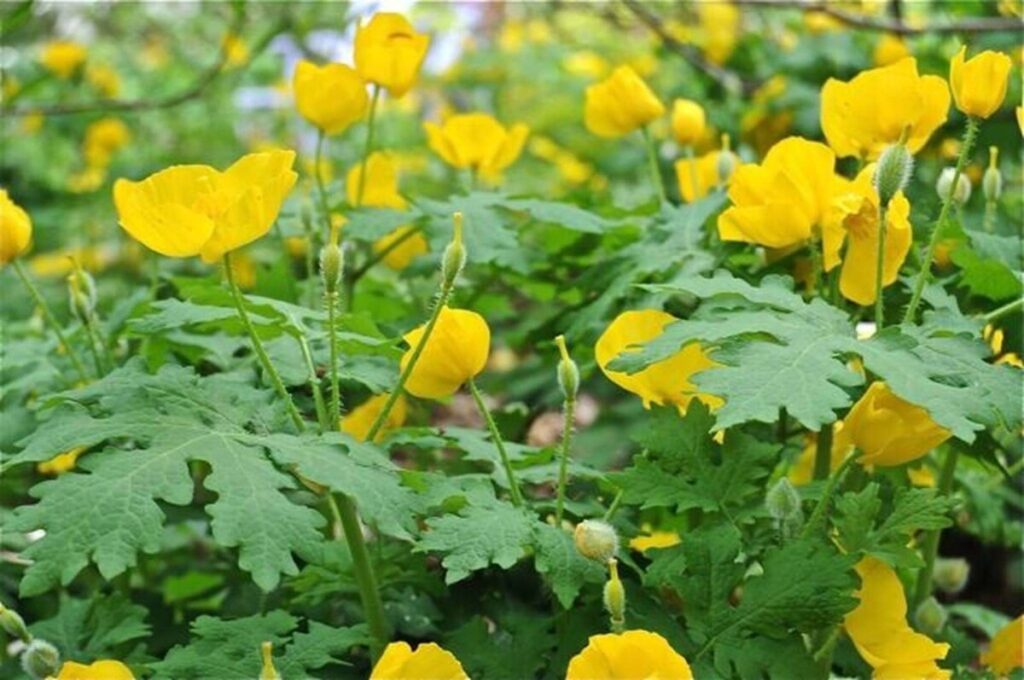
314 383
332 332
51 320
930 544
817 519
563 465
513 485
880 268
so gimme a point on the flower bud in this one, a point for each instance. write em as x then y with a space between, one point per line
568 373
615 597
332 266
783 503
992 182
81 293
13 624
726 161
944 186
454 255
596 539
930 617
268 672
893 171
688 122
951 574
40 659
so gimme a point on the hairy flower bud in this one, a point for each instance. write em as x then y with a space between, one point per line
951 574
930 616
332 266
615 597
596 539
992 182
783 504
268 672
568 372
727 161
13 624
893 172
454 255
40 659
81 293
944 186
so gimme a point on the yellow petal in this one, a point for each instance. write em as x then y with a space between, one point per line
979 84
331 97
633 654
400 256
697 177
15 229
380 188
456 351
100 670
428 662
889 430
389 52
620 104
654 539
359 420
1006 651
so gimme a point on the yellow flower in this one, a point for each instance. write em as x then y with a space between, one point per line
428 662
879 630
389 52
103 139
889 49
654 539
380 187
855 214
15 229
105 669
633 654
802 471
235 50
779 202
104 79
666 382
331 97
399 256
719 28
620 104
587 64
863 116
63 58
979 83
189 210
688 121
359 420
921 475
60 463
889 430
455 352
478 141
1006 651
706 168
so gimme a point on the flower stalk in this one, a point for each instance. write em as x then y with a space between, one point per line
652 161
930 544
880 268
499 443
568 380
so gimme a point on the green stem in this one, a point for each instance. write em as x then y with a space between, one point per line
652 161
563 466
1000 312
513 485
368 149
821 509
989 220
922 276
257 345
384 252
100 354
321 190
51 320
366 578
314 383
823 453
930 545
332 333
883 230
307 228
614 507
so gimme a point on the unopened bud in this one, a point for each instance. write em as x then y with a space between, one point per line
81 293
992 182
615 597
726 161
13 624
568 373
596 539
951 574
332 266
930 617
40 659
893 172
454 255
783 504
944 186
268 672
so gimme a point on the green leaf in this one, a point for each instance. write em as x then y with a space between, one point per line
565 568
85 630
513 649
478 537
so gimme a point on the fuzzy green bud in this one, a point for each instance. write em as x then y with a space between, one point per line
992 182
784 505
726 164
615 597
13 624
930 616
81 293
332 267
454 255
951 574
596 539
893 172
568 372
268 672
959 194
40 659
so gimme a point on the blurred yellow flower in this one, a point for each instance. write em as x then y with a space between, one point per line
879 630
587 64
380 187
995 336
633 654
60 463
104 138
104 79
802 470
104 669
331 97
654 539
455 352
1006 651
817 22
889 49
478 141
90 178
189 210
61 262
889 430
780 202
359 420
719 29
620 104
15 229
663 383
428 662
389 52
921 475
63 58
244 270
402 246
979 83
569 166
707 175
863 116
688 122
236 52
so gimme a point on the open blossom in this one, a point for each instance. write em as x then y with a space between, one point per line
633 654
427 662
104 669
620 104
331 97
15 229
1006 651
103 139
889 430
979 83
63 58
389 52
456 351
477 141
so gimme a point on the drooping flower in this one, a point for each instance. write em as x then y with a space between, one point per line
189 210
889 49
15 229
863 116
1006 651
359 420
620 104
633 654
428 662
666 382
477 141
103 139
889 430
331 97
979 83
63 58
389 52
855 219
780 202
455 352
104 669
879 630
688 121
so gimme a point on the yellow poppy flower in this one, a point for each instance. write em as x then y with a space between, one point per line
455 352
879 630
719 29
189 210
103 139
105 669
478 141
863 116
428 662
688 122
654 539
855 215
63 58
780 202
889 430
666 382
331 97
979 83
400 256
587 64
60 463
15 229
389 52
380 188
889 49
236 51
620 104
359 420
1006 651
104 79
633 654
706 169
